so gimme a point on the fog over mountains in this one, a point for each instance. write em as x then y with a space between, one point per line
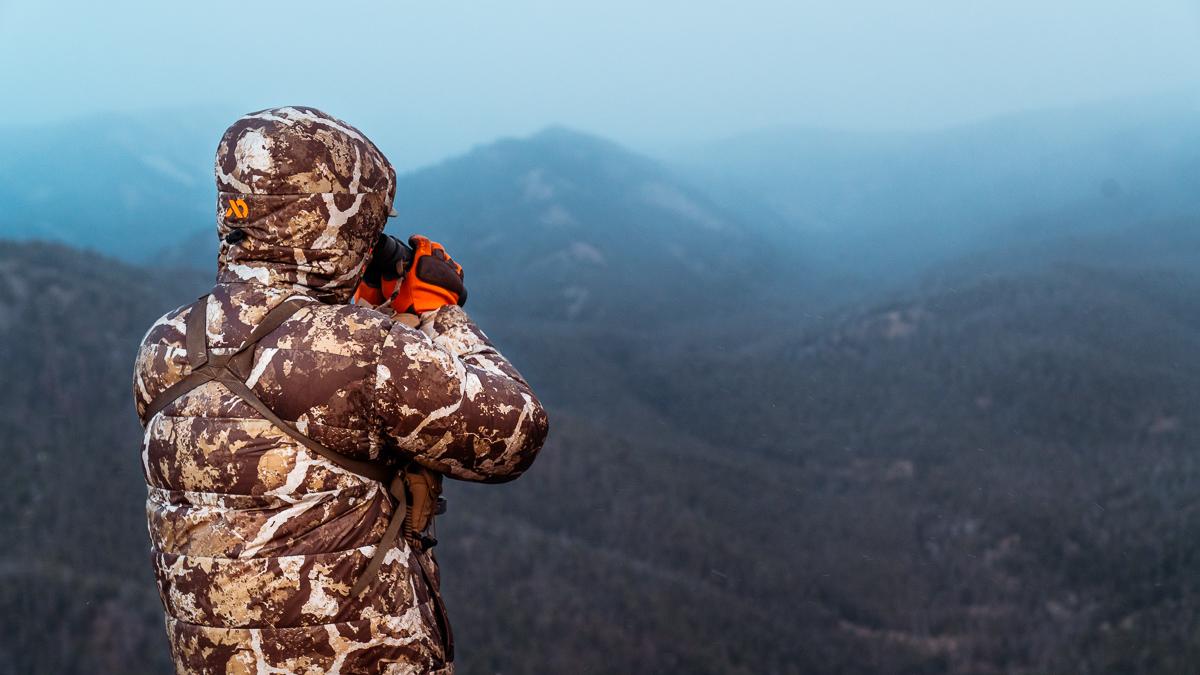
906 199
847 210
821 402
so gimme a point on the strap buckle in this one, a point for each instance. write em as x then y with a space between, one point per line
424 541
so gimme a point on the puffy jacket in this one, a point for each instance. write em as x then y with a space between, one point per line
256 540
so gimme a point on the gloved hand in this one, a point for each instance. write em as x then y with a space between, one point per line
433 280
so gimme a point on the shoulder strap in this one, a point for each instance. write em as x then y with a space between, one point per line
196 337
229 369
207 367
361 467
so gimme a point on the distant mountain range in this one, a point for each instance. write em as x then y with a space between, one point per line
767 454
894 203
832 212
125 186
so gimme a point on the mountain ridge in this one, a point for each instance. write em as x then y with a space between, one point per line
588 219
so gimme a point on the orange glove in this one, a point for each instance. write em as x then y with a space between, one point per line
433 280
367 294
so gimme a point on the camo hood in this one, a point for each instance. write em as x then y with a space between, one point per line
311 194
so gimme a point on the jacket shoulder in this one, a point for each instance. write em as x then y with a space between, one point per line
161 357
346 330
170 328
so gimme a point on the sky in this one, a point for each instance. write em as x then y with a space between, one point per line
438 77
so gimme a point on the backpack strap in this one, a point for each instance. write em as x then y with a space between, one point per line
231 370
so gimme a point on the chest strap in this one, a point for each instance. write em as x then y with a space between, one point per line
232 370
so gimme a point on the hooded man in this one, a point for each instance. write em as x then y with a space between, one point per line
294 444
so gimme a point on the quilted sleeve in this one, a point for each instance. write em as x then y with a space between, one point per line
448 399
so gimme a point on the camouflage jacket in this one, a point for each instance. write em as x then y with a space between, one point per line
256 540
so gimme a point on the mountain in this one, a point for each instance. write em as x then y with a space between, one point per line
995 474
899 203
567 225
612 233
124 185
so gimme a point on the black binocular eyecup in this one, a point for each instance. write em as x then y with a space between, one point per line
394 253
390 260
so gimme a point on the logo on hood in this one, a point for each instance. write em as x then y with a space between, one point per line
237 208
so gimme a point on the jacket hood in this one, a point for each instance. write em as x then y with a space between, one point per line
311 195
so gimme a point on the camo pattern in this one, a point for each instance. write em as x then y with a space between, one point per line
256 540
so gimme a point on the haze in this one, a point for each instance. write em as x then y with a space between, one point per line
436 78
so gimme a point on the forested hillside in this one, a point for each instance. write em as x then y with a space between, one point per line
987 473
77 593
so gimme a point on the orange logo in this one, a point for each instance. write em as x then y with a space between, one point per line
237 208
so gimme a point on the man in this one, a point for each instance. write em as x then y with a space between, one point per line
294 443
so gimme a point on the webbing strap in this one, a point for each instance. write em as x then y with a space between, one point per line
196 337
173 392
396 489
363 468
231 370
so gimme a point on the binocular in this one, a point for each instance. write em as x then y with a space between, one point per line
390 259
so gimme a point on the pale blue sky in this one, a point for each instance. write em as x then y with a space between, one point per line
444 75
